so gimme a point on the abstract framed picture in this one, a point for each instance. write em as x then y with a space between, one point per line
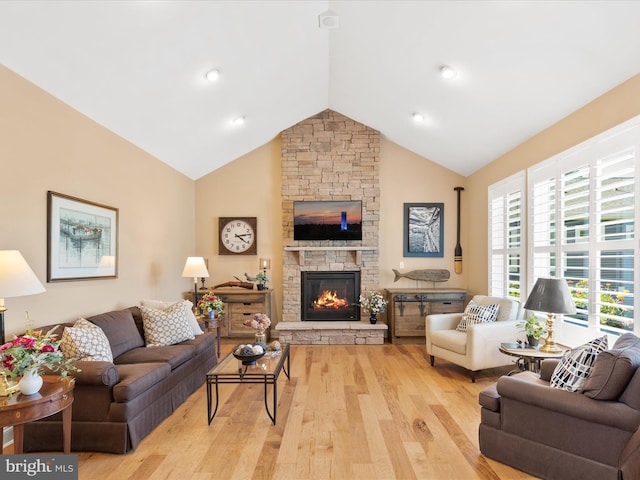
423 229
82 239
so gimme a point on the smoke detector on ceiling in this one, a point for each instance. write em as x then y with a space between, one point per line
329 20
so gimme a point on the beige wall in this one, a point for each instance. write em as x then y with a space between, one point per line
250 186
408 178
612 108
46 145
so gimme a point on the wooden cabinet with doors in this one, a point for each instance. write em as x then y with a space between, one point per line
408 308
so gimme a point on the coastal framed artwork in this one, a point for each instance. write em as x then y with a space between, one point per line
82 239
423 229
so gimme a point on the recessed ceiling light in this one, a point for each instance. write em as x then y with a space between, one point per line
238 121
418 117
329 20
212 75
447 72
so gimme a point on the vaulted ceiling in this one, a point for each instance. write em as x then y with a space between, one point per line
137 68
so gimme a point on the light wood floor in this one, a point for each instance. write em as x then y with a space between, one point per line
348 412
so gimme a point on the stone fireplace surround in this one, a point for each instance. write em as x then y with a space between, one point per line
330 157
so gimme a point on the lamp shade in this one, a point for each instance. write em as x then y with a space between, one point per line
195 267
550 295
16 277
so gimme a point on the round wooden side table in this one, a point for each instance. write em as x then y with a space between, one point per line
55 395
528 358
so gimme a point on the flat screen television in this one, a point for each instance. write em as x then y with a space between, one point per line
327 220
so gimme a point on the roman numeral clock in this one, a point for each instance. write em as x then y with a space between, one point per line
238 236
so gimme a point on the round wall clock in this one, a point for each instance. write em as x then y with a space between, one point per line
238 235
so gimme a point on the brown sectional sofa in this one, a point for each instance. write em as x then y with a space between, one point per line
557 434
116 404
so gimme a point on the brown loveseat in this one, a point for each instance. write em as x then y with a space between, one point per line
116 404
557 434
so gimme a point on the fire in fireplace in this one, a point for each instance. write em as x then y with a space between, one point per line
330 296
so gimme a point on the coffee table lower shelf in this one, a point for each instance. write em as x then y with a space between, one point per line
266 371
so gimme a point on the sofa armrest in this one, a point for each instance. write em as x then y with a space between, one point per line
95 373
483 340
572 404
442 321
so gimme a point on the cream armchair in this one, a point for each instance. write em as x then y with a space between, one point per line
477 348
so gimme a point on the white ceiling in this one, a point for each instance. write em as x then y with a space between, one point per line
137 68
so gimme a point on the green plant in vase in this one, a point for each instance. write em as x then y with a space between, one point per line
533 328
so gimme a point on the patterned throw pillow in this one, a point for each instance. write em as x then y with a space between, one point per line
85 341
165 327
576 365
475 313
186 304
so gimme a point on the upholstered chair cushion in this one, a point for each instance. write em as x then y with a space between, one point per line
613 369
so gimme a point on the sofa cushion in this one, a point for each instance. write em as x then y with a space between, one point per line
186 305
575 365
85 341
613 369
120 329
174 355
475 313
165 327
138 378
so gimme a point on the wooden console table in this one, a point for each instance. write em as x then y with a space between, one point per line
55 395
408 308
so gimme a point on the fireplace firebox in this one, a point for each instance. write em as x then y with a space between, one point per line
330 296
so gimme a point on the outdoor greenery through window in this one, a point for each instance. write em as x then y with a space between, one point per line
582 214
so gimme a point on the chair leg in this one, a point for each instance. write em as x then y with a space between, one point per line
473 376
433 360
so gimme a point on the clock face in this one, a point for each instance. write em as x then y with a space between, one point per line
237 236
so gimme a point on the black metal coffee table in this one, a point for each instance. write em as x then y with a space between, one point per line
265 371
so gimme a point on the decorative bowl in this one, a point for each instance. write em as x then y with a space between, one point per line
248 359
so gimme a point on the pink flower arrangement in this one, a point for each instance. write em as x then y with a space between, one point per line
32 352
260 322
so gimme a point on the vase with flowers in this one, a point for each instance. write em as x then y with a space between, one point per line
209 304
28 356
374 303
260 322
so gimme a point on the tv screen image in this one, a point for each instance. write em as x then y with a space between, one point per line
327 220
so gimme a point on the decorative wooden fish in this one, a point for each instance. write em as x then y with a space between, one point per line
427 275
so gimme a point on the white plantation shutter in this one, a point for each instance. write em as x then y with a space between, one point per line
506 242
583 210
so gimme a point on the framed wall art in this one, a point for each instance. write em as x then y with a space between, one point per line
423 229
82 239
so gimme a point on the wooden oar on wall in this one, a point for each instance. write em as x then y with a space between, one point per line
457 254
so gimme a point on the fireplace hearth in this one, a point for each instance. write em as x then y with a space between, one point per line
330 296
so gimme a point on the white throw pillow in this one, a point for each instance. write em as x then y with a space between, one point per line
188 306
576 365
85 341
475 313
165 327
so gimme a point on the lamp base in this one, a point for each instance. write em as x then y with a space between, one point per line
550 347
7 388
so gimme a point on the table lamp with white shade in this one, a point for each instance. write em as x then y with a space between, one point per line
195 267
16 280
